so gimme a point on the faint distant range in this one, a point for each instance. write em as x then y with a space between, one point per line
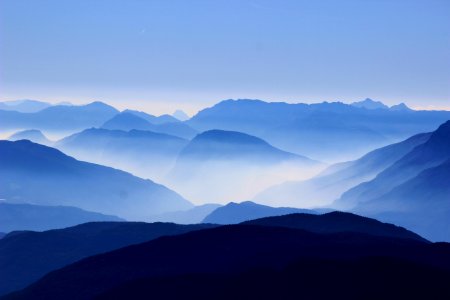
27 105
325 131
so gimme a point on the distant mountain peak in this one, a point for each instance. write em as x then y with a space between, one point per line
400 107
96 104
180 115
33 135
370 104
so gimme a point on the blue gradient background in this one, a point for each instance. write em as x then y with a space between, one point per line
162 55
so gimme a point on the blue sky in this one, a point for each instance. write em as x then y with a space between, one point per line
162 55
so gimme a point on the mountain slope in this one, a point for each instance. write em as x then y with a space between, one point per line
421 203
433 152
329 185
234 213
144 153
26 256
218 165
237 249
37 217
42 175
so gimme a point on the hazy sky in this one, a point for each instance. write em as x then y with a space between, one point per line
162 55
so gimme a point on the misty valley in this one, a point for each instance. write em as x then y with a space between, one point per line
246 199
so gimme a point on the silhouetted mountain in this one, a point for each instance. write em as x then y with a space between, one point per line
59 117
131 120
191 216
38 217
180 115
385 279
234 213
36 136
24 106
144 153
433 152
370 104
26 256
329 185
237 251
245 163
421 204
2 234
42 175
324 131
336 221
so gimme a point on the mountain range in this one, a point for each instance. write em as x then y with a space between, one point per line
129 120
144 153
324 131
24 106
330 184
238 258
59 117
36 174
39 217
26 256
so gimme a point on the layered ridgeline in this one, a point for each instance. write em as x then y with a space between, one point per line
330 184
413 191
193 215
324 131
27 256
59 117
41 217
234 213
219 165
144 153
34 135
264 259
130 119
32 173
24 106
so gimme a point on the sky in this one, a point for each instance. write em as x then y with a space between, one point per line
162 55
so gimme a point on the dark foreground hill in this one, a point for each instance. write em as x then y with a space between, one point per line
336 221
26 256
254 261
